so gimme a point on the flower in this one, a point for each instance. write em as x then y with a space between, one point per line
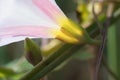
34 19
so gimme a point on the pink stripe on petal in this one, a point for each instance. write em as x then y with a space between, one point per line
14 34
30 31
49 8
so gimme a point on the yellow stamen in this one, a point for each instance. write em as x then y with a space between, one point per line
70 32
65 37
65 23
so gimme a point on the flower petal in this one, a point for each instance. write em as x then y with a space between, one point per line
49 7
14 34
20 19
22 12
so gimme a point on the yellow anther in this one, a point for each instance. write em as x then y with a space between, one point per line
66 37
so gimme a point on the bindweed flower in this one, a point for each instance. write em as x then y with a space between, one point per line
36 19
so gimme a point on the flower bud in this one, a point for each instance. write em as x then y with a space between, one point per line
32 52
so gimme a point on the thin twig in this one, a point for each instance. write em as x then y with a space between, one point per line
104 39
100 53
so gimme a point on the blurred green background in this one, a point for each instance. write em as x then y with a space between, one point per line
80 66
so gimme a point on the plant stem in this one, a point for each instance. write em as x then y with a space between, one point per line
104 40
33 73
56 62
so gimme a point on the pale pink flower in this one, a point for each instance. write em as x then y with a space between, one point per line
28 18
35 19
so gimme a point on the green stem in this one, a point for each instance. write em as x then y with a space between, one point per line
33 73
55 63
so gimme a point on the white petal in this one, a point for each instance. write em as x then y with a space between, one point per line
50 8
20 19
22 12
